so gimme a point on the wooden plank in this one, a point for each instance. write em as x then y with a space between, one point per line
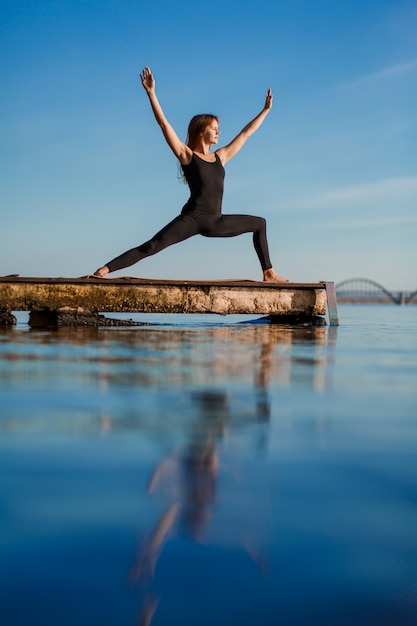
132 295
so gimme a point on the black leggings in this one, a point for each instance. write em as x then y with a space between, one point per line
189 224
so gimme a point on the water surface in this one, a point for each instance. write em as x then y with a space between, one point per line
207 471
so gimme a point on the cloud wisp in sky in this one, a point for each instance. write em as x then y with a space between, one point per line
390 72
400 191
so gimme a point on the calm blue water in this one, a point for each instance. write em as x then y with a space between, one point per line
204 472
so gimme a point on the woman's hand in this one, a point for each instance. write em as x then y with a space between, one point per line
268 100
147 79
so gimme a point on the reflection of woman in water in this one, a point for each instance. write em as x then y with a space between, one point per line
189 481
204 172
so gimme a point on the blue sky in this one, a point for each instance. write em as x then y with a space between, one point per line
85 173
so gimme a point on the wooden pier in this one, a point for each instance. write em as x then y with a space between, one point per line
82 301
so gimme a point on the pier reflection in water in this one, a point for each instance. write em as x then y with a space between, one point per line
127 366
196 475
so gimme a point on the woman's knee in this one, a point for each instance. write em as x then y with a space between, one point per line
261 223
150 247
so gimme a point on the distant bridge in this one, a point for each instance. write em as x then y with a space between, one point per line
366 290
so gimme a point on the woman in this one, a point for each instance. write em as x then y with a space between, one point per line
204 172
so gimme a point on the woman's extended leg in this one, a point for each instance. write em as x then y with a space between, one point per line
234 225
181 228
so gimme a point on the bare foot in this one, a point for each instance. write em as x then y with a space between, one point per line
271 277
101 272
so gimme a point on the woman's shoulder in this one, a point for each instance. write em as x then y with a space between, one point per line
187 157
189 164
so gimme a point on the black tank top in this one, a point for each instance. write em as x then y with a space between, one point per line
205 180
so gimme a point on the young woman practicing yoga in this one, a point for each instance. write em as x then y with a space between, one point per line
204 172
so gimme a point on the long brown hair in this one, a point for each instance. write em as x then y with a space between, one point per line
197 125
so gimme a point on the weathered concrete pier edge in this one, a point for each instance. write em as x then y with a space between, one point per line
82 301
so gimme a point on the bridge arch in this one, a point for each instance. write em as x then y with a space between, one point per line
412 296
363 286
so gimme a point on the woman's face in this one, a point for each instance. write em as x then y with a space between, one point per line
211 132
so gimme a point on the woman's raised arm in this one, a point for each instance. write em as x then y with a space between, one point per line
229 151
178 147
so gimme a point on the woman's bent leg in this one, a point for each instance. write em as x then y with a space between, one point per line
234 225
181 228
